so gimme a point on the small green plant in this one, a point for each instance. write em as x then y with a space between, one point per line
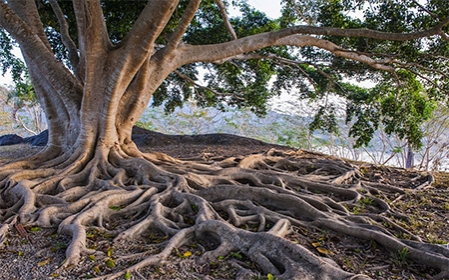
435 240
92 233
348 262
35 229
357 209
425 201
400 257
109 252
110 263
195 207
364 263
415 222
115 207
367 200
59 246
96 269
236 255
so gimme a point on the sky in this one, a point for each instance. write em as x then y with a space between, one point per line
7 80
269 7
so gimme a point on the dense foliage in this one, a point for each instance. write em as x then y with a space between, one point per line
400 100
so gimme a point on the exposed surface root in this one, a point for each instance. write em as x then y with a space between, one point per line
265 208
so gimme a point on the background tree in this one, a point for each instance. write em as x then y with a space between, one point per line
20 113
95 65
25 108
434 154
6 117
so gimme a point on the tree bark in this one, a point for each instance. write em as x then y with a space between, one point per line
91 164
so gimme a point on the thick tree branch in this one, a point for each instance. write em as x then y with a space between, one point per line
138 45
223 51
65 36
57 89
187 17
37 53
135 99
298 40
225 17
302 41
92 31
273 57
58 110
27 11
444 36
140 40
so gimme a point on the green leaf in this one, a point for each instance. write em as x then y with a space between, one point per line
109 252
115 207
96 269
110 263
236 255
35 229
127 275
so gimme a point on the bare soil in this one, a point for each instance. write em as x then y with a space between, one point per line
39 253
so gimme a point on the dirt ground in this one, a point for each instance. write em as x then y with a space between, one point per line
39 254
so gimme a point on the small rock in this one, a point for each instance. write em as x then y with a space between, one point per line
10 139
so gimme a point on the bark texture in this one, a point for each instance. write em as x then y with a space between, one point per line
242 204
91 174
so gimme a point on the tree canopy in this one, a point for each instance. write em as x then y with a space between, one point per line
345 50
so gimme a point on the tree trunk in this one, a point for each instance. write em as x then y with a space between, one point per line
410 160
90 167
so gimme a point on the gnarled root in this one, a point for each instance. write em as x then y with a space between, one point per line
248 205
270 251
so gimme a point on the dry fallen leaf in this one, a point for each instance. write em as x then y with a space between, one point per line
187 254
42 263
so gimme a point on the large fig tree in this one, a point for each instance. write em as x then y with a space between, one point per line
95 65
